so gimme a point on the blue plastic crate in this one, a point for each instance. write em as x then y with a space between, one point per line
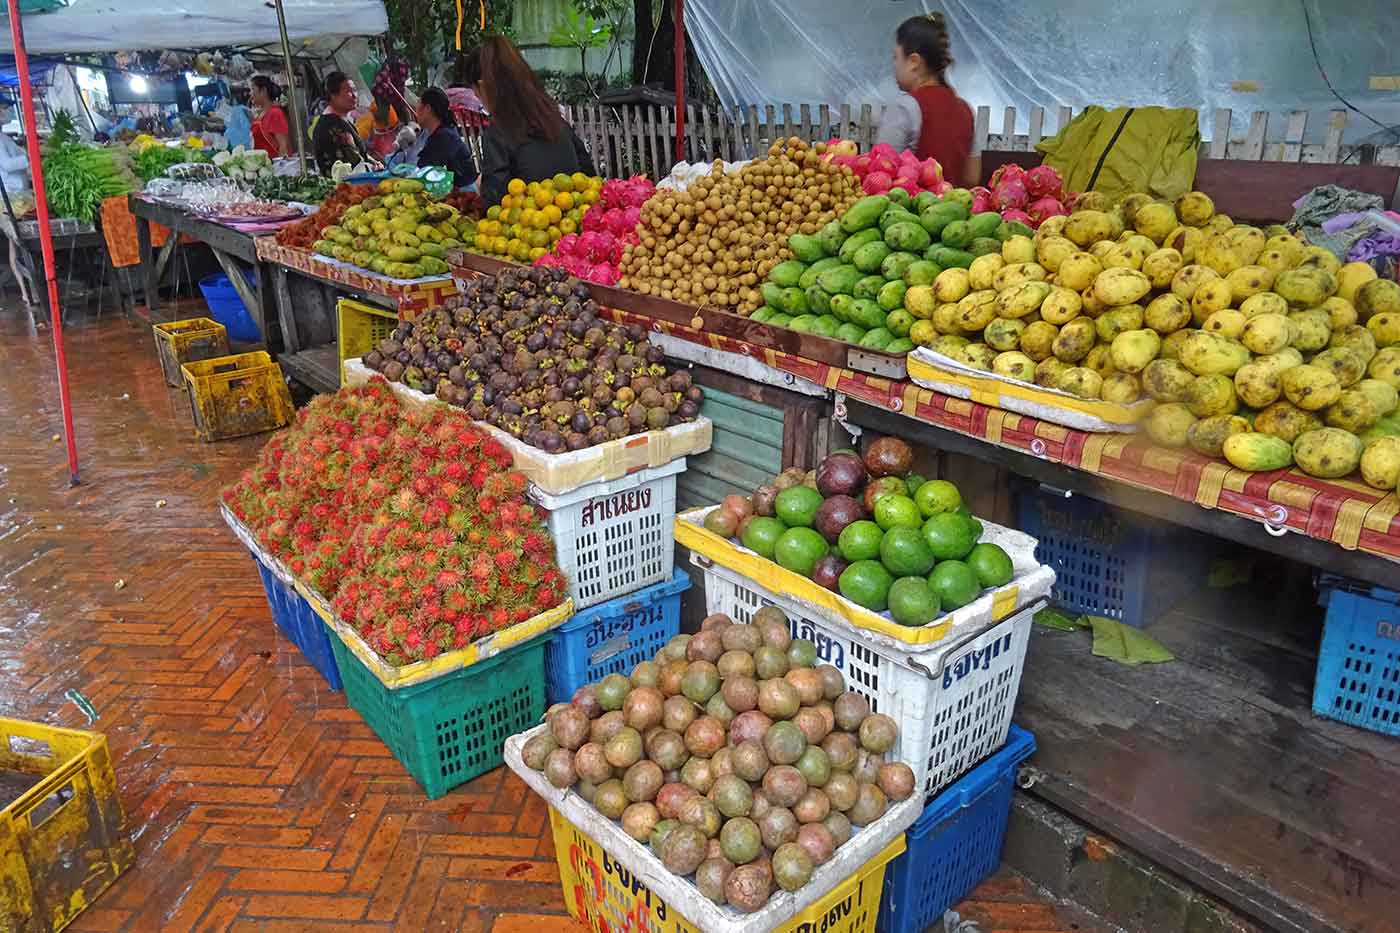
1358 668
955 843
613 637
300 623
1108 561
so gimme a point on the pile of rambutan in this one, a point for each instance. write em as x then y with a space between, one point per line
412 523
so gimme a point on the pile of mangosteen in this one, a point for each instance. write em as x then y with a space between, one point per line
527 352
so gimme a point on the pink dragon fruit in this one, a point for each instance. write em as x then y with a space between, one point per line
594 218
1043 182
877 183
930 174
1009 172
943 187
566 244
862 166
616 222
982 200
1011 194
603 273
1018 216
884 164
602 248
1044 208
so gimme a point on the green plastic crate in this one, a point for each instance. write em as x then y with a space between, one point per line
453 728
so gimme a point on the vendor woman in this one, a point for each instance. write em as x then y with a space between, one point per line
528 137
444 146
271 132
941 126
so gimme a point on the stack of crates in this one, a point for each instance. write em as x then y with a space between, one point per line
1358 666
615 543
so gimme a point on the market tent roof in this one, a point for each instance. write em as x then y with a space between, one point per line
122 25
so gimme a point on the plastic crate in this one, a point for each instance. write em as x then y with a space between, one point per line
361 328
451 729
1358 667
612 882
953 705
955 844
1110 562
614 537
614 637
231 396
63 840
295 617
181 342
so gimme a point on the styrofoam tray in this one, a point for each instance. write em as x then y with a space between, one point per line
561 473
680 893
945 374
1030 581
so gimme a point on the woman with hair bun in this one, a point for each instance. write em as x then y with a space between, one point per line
271 132
944 130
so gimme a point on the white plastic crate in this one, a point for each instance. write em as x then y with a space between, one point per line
614 537
953 705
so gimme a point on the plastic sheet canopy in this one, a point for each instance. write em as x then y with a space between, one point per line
1242 54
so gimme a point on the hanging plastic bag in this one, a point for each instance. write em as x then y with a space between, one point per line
238 128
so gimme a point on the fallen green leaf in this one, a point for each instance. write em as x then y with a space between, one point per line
1126 645
1052 619
1225 573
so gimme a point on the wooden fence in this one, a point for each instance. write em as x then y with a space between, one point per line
631 139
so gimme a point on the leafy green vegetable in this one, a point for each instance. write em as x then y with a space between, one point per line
308 189
78 178
155 161
63 129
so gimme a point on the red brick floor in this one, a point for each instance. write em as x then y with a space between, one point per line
256 799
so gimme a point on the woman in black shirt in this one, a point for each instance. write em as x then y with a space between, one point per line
444 147
528 138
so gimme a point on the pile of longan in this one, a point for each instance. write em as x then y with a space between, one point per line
715 242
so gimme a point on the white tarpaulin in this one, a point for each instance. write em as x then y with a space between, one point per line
1241 54
123 25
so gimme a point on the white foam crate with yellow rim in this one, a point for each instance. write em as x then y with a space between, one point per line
561 473
953 704
1030 581
945 374
419 671
842 896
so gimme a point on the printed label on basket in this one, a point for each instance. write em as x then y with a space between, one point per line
615 506
830 650
975 659
609 648
1386 629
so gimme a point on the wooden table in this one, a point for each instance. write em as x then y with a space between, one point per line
229 247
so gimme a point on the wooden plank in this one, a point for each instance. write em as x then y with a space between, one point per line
1220 136
770 134
291 341
805 129
1036 131
824 122
631 137
981 126
1332 142
1008 130
1292 148
787 121
1063 117
252 301
845 126
1254 139
866 135
756 148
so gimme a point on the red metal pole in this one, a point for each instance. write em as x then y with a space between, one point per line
41 203
679 17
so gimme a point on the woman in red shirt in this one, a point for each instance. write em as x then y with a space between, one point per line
921 62
271 132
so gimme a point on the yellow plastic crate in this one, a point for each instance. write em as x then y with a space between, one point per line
605 897
235 395
180 342
63 841
361 327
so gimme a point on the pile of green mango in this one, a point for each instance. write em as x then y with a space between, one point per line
850 280
402 232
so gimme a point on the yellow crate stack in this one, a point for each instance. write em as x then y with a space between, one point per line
231 396
180 342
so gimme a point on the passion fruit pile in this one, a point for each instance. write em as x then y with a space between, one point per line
527 352
733 754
